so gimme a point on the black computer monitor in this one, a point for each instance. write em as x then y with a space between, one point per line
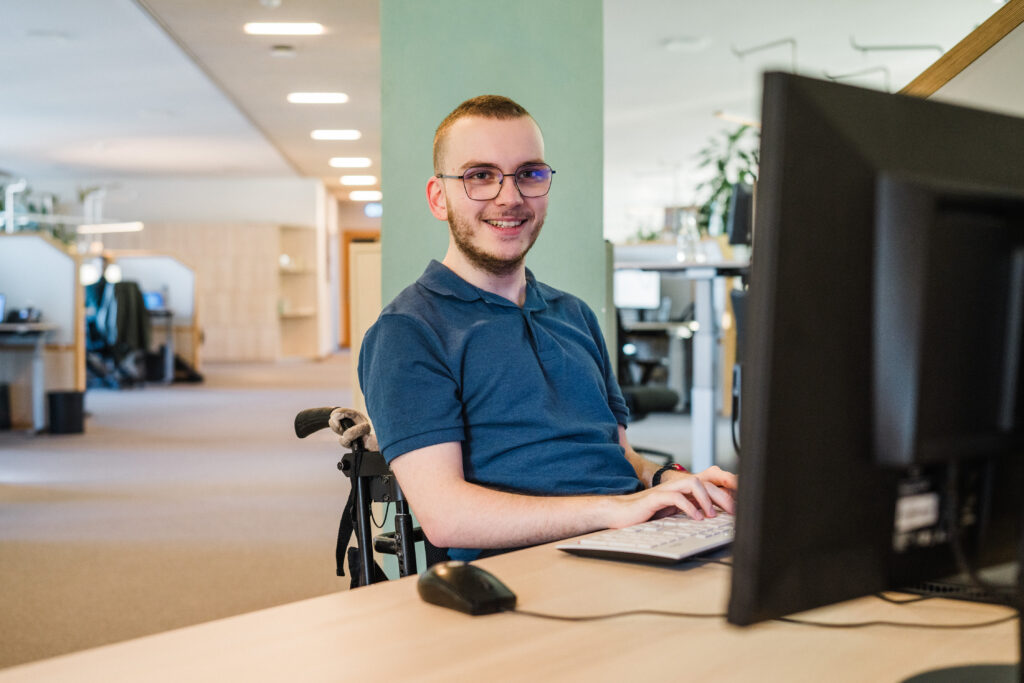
882 393
740 224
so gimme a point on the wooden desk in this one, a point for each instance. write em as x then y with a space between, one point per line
384 632
34 335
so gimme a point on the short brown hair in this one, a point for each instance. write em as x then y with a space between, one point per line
484 106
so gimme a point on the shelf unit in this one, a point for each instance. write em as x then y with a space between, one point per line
297 308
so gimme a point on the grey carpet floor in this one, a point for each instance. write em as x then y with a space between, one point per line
178 505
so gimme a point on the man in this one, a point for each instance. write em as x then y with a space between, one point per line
492 394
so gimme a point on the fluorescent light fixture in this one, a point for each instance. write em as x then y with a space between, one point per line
89 274
358 180
350 162
112 273
283 28
100 228
324 134
365 195
373 210
317 97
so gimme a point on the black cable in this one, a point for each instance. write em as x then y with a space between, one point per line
903 601
615 615
899 624
387 509
786 620
708 560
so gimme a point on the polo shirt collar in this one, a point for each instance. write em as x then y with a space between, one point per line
439 279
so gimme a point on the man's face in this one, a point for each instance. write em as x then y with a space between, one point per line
495 234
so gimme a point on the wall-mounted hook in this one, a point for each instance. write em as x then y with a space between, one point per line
757 48
880 48
862 72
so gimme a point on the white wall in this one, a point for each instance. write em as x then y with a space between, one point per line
993 81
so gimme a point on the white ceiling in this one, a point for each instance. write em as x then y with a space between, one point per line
96 90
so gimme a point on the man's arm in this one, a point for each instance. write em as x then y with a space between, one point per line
456 513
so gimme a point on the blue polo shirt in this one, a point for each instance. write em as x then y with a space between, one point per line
528 391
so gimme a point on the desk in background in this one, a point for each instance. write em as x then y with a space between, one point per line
166 316
384 632
702 401
676 350
34 335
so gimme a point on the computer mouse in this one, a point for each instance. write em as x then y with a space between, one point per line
466 588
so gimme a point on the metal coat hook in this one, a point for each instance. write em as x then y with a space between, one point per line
854 74
879 48
757 48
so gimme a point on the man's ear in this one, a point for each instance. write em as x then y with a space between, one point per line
436 198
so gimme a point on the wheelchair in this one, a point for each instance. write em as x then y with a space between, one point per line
372 482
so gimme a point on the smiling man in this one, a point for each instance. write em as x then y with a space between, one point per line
492 394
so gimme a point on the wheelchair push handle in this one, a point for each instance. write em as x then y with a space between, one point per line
312 420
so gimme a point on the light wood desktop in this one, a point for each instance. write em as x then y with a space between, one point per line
385 632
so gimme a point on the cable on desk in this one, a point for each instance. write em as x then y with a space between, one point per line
898 624
615 615
903 601
708 560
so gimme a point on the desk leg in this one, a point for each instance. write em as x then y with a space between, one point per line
38 385
677 365
702 404
169 352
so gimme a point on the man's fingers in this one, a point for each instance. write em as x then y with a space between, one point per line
722 497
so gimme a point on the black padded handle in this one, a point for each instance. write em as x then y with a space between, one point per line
312 420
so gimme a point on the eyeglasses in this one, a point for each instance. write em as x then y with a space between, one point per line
484 182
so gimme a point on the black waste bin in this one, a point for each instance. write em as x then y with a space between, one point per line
5 406
67 412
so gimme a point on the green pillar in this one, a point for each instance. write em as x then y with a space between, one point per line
548 56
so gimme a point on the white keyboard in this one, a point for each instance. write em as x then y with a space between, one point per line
669 539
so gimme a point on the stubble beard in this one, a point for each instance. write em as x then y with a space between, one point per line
462 234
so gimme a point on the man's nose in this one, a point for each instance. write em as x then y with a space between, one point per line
508 193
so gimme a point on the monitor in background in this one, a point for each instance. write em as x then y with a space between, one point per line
154 301
740 224
882 428
637 289
3 307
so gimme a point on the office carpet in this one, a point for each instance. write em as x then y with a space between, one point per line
177 505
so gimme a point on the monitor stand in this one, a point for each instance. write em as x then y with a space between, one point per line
990 673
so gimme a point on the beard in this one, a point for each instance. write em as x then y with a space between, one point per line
462 234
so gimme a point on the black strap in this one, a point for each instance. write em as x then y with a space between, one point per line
345 532
341 550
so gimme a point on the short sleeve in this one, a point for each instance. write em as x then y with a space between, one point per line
412 395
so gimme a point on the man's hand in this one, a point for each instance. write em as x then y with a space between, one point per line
695 494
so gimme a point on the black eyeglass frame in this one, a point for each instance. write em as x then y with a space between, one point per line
501 180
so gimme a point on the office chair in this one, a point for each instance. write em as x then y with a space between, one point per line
372 482
117 334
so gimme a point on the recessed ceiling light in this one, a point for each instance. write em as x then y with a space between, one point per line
101 228
335 134
283 28
365 195
358 180
350 162
317 98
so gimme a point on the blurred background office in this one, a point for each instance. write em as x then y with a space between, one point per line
193 208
